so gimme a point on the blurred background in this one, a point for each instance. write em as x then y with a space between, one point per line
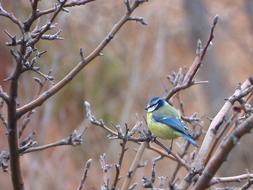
134 67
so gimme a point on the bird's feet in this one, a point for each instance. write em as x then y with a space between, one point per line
151 137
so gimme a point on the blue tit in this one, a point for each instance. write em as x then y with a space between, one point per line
164 121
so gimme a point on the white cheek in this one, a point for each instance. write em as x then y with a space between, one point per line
152 108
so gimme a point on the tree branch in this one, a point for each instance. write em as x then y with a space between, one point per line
70 4
217 121
206 146
12 17
200 54
237 178
119 164
47 26
73 139
134 165
222 152
4 95
85 174
59 85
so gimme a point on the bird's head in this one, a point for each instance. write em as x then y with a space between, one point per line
155 103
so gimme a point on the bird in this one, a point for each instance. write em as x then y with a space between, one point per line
164 121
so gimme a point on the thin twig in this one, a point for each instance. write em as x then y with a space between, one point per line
4 160
237 178
74 139
2 118
85 174
134 166
119 164
48 25
200 54
12 17
247 185
105 167
4 95
149 182
73 3
176 156
27 118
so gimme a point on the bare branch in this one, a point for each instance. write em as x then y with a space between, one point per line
12 17
188 78
73 3
247 185
105 167
94 121
52 36
222 152
218 120
59 85
133 186
4 160
176 156
14 41
149 182
138 19
48 25
4 95
26 121
134 165
2 118
82 55
119 164
85 174
237 178
206 146
74 139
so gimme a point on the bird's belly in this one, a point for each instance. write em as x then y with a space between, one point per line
161 130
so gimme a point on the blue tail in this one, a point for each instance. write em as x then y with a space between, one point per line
187 137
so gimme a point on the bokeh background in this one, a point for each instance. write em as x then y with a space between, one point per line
134 67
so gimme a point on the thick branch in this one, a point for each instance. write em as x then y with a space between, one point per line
222 152
203 153
209 139
13 143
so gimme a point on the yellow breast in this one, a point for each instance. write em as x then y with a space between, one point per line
160 130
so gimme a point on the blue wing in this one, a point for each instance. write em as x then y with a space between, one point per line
187 137
176 124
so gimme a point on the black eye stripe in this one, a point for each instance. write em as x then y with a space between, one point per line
153 104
